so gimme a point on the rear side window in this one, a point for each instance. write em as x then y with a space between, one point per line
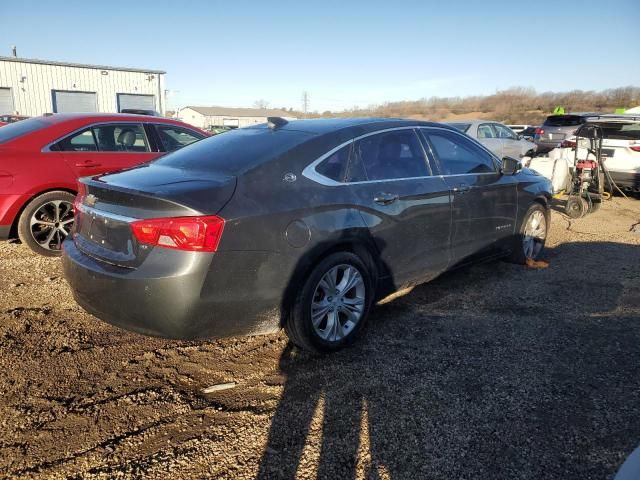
457 155
342 166
129 138
79 142
174 138
391 155
235 151
564 121
17 129
121 138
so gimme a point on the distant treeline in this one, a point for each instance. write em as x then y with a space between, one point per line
514 105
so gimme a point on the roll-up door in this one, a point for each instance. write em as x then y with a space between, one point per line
71 102
6 101
139 102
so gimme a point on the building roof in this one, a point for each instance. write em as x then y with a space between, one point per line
239 112
77 65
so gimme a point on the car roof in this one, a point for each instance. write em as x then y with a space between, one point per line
55 118
320 126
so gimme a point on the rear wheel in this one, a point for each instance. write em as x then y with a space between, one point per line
333 304
533 235
46 221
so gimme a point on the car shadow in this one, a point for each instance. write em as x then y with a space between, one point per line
490 371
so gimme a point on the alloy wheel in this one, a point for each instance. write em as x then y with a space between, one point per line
51 223
338 302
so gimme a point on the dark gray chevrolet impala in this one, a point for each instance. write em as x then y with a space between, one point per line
300 224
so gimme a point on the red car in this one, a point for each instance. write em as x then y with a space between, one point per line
41 159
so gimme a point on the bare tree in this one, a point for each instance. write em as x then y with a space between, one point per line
261 104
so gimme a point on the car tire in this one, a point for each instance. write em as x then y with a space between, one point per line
46 221
340 311
532 236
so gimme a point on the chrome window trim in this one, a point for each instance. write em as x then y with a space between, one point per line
101 213
47 148
311 173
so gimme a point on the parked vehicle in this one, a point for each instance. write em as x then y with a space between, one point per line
41 159
4 119
497 137
529 133
620 149
557 128
300 224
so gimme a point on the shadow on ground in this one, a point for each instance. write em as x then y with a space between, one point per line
488 372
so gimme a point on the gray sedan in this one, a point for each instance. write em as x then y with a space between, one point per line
497 137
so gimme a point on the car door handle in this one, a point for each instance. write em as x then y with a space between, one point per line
385 198
462 188
88 163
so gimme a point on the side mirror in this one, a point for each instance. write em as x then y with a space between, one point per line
510 166
520 137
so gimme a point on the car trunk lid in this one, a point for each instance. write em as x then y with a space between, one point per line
109 204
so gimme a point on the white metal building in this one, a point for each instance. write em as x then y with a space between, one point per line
33 87
205 117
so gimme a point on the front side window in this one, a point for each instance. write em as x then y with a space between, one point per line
485 131
504 132
458 155
173 137
391 155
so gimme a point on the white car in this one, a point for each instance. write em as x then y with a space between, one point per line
497 137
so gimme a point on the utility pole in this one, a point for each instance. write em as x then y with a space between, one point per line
305 102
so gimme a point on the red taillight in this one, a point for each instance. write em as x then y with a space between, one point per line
539 131
568 144
200 234
635 148
82 192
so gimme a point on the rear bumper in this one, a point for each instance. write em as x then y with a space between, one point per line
626 180
10 205
180 295
546 146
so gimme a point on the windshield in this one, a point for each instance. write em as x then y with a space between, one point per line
235 151
18 129
564 121
463 127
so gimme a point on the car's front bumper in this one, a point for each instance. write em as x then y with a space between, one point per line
181 295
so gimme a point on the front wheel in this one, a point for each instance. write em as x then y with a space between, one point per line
46 221
333 304
529 243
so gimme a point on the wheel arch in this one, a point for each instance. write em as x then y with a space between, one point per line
360 247
13 232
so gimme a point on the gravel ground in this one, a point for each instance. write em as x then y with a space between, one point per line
494 371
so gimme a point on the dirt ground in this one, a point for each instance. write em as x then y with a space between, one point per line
493 371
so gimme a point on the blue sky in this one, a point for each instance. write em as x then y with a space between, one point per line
344 53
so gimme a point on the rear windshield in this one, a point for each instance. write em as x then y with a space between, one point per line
564 121
17 129
234 151
463 127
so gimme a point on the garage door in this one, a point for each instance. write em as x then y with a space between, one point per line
69 102
140 102
6 101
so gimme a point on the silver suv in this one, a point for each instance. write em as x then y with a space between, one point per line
557 128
